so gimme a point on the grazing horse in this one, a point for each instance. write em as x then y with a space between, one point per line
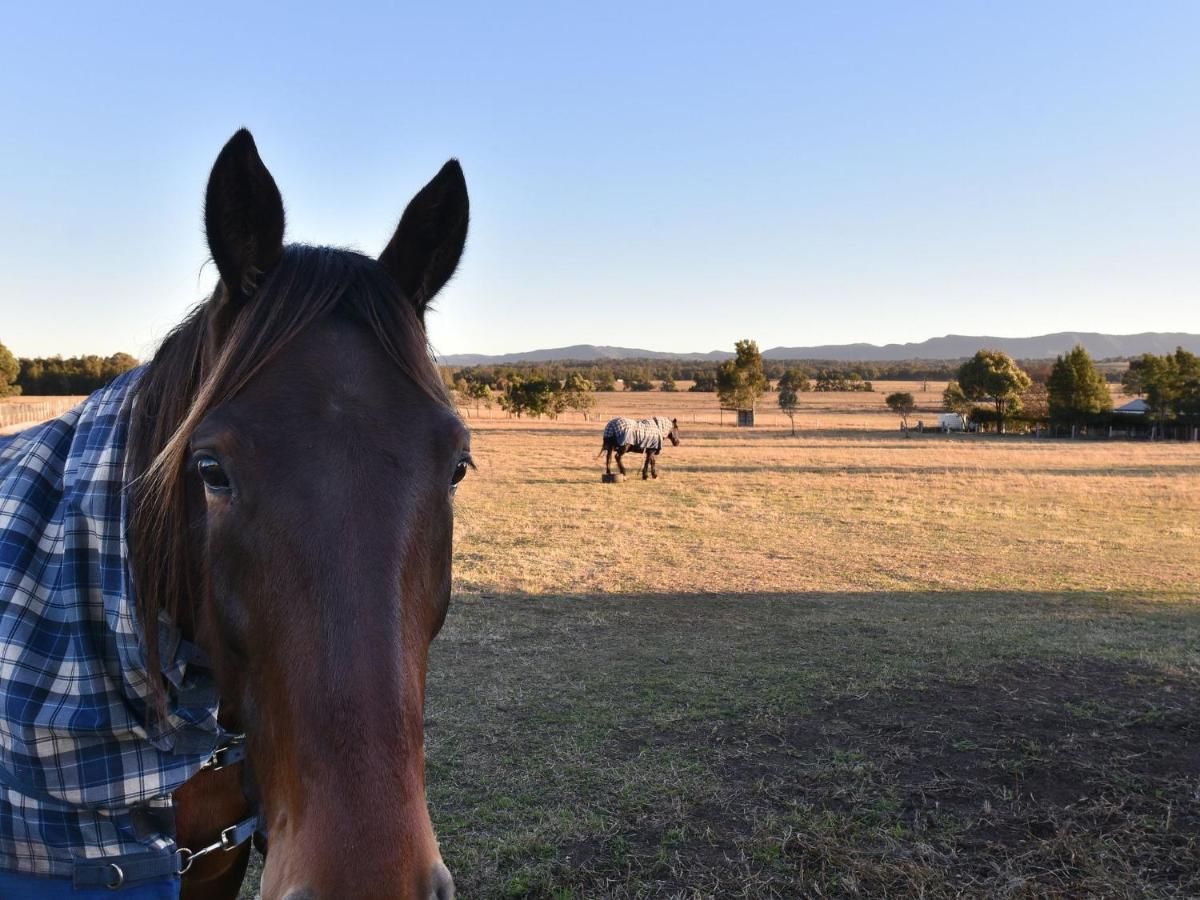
220 576
638 436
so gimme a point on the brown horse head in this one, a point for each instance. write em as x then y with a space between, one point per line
673 434
298 453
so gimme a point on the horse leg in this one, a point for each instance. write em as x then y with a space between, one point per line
608 460
653 465
620 465
646 465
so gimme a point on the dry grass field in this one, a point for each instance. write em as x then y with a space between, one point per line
848 663
850 503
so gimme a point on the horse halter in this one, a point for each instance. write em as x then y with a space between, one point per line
116 874
232 752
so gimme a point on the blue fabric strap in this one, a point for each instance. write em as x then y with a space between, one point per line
116 872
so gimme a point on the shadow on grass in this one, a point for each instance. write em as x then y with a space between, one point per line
933 744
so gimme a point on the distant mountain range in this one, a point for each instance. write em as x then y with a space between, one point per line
951 346
576 352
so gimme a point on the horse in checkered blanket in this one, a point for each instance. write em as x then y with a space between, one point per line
623 435
217 590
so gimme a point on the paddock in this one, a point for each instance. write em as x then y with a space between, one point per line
842 664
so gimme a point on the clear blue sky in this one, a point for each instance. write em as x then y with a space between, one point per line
664 175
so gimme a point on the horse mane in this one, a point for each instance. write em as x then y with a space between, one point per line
189 376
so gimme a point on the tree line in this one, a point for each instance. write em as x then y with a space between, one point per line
519 395
1170 385
647 375
706 380
658 374
992 390
57 375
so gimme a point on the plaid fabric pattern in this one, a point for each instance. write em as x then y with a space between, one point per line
83 772
641 434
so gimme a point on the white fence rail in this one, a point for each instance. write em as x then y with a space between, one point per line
26 411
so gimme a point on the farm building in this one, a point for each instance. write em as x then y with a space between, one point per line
1131 420
1138 407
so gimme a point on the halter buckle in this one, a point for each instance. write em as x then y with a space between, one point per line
228 754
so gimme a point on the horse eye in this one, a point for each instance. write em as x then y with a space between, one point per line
212 474
460 472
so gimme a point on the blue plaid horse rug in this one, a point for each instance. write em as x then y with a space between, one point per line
639 434
646 436
87 766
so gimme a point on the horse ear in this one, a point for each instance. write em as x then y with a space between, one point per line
424 251
243 216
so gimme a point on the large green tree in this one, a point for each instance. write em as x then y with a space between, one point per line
796 379
9 370
1133 380
741 381
1187 406
480 394
1077 392
1171 384
529 396
994 377
1160 385
578 394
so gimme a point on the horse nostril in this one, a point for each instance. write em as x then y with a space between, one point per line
441 884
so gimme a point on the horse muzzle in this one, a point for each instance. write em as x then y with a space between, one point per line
440 881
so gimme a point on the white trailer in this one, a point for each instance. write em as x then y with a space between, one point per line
951 422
